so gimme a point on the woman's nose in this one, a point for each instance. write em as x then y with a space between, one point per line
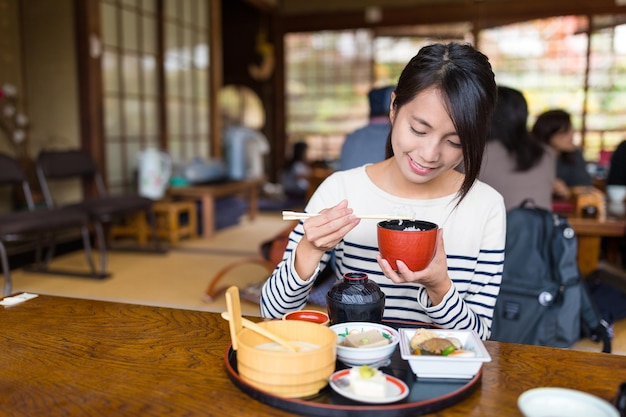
430 151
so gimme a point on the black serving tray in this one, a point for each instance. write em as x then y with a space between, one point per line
427 395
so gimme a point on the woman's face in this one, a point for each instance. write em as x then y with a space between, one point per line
424 139
563 141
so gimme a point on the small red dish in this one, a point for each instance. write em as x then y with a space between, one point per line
313 316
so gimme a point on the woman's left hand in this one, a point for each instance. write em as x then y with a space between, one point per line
434 277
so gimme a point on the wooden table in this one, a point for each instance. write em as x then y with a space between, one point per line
63 356
590 233
208 193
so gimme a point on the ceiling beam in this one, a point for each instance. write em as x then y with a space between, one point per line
485 13
264 5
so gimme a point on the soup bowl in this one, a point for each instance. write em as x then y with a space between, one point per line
410 241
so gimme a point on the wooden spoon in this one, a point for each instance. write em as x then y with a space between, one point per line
264 332
233 305
233 315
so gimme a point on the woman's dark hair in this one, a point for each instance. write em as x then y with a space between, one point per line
466 81
550 123
510 128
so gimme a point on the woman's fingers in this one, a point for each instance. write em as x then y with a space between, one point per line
327 229
385 266
434 273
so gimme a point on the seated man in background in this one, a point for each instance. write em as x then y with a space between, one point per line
617 177
617 166
367 144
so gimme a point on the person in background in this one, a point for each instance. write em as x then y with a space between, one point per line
297 172
515 163
440 117
617 176
617 167
367 144
554 128
244 149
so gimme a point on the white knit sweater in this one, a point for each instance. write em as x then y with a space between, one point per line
474 237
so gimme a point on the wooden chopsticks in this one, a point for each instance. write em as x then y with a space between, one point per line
294 215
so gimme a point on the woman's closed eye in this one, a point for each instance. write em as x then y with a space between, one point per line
452 142
417 132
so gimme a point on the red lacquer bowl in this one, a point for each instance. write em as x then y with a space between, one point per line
410 241
313 316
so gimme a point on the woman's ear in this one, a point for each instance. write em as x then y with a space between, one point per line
392 107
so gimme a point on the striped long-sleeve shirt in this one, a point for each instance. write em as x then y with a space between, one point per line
474 237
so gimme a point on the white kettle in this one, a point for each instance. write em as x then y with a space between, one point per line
155 169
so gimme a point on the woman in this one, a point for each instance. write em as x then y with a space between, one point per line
554 128
440 116
516 164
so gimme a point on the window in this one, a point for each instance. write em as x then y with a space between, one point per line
547 60
138 113
186 78
329 73
606 95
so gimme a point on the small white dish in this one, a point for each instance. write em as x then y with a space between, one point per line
616 209
396 389
355 356
563 402
449 367
616 193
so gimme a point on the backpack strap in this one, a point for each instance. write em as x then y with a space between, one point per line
528 203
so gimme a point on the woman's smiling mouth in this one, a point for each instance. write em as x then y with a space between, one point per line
419 169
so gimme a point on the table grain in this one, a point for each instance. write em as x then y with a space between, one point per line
77 357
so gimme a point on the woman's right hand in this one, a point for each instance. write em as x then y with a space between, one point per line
323 233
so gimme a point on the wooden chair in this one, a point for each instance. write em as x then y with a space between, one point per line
37 225
104 209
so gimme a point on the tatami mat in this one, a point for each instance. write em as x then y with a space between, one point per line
178 278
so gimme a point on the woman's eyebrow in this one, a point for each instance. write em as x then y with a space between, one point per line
425 123
421 121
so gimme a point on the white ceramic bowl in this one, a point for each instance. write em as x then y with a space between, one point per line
616 209
354 356
458 367
563 402
616 193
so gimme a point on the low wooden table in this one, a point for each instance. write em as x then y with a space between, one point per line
64 356
207 194
590 233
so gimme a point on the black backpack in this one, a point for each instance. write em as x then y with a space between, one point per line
543 300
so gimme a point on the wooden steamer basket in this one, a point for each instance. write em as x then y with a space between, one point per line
288 374
292 374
